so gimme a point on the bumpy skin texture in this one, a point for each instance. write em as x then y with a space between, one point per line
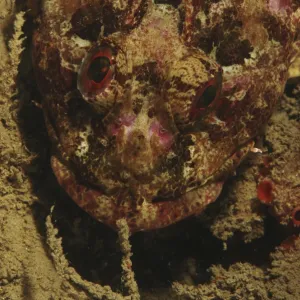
278 181
147 145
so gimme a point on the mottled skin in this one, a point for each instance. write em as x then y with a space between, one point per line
145 145
278 182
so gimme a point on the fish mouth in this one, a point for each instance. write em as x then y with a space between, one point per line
143 215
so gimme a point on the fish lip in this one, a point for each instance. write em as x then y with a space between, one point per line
140 216
236 157
102 188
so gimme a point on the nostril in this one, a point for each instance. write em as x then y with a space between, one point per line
151 113
136 140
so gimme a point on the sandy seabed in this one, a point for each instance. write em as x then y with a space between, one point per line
50 249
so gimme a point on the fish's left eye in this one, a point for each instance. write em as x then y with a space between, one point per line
206 97
296 216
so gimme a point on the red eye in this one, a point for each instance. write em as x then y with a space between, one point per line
206 97
296 216
96 71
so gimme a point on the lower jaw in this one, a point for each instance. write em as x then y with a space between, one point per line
146 215
140 217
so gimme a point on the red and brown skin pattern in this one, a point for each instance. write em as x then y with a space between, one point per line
278 185
150 106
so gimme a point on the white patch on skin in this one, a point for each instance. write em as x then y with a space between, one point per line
253 58
145 210
171 155
201 17
65 27
119 4
271 46
213 52
233 70
72 48
80 42
187 171
83 147
216 120
239 95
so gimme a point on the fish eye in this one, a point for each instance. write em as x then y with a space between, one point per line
96 71
205 97
296 216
